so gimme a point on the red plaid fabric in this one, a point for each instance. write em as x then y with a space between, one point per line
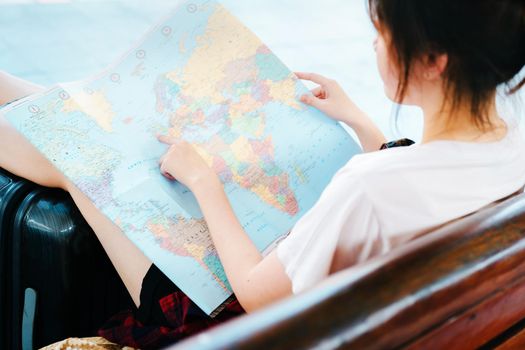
183 317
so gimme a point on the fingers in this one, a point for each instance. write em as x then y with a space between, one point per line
169 140
316 78
163 169
167 175
176 145
312 101
318 92
162 163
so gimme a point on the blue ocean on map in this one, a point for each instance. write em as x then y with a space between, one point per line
203 77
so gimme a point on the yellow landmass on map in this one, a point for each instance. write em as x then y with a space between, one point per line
226 40
242 150
245 105
196 250
94 105
266 195
284 91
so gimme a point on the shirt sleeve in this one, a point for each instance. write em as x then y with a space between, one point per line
342 224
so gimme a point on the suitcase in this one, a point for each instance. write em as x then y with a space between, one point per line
59 281
12 191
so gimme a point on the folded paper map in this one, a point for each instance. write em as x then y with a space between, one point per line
201 76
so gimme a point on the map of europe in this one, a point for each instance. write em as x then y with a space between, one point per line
203 77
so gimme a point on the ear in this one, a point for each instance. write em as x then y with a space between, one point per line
435 65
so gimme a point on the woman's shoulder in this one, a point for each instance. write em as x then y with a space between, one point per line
387 160
443 155
443 166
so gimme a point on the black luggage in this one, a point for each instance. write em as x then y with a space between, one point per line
12 191
56 279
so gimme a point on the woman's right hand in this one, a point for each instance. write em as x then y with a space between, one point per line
330 98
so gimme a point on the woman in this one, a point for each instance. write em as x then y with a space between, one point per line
447 57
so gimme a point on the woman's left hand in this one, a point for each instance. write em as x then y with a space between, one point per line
182 163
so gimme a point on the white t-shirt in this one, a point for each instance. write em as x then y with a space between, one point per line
382 199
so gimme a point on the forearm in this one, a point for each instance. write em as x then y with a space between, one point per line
370 137
256 281
12 88
238 255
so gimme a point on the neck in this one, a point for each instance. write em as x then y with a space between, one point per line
458 125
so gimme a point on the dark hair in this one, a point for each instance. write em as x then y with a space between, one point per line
483 39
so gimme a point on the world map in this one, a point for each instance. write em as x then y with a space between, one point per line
203 77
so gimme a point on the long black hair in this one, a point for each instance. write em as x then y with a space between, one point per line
483 39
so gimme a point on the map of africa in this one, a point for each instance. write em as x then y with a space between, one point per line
203 77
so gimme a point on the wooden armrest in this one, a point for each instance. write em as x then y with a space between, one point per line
455 288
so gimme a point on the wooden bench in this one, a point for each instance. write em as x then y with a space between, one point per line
459 287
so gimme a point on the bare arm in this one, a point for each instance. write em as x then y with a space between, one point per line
12 88
370 137
256 280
